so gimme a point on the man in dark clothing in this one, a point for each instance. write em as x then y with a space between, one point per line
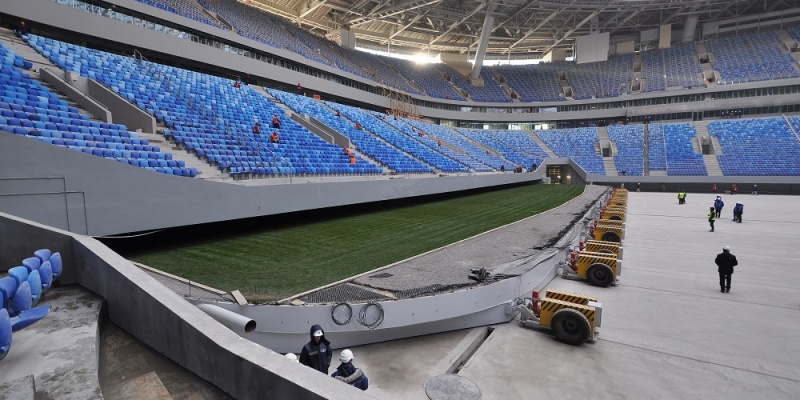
317 352
725 262
349 374
738 210
718 204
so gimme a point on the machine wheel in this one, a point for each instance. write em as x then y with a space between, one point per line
610 236
570 326
606 251
616 218
600 275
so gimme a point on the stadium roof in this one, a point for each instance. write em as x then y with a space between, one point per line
521 29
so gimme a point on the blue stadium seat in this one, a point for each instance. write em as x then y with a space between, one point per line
5 333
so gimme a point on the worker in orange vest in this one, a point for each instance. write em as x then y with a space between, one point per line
274 138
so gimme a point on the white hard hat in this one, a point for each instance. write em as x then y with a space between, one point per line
726 248
346 356
318 333
292 357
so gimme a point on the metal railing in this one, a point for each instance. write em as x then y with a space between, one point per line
63 192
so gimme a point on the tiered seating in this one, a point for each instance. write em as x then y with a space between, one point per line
577 144
672 67
750 58
426 76
474 157
599 79
630 146
27 108
491 91
681 157
763 146
533 82
656 148
404 142
262 27
194 104
187 8
362 140
452 161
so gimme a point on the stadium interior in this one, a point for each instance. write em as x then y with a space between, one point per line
121 118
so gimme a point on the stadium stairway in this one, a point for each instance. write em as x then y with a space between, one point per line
205 170
541 144
24 50
711 161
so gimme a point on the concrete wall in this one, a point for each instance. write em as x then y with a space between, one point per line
167 323
121 199
124 112
56 79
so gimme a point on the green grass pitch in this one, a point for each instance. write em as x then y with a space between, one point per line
271 263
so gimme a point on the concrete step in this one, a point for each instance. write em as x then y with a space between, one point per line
712 165
611 168
541 144
658 173
147 386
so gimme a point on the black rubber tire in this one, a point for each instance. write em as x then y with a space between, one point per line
600 275
571 326
606 251
610 236
616 218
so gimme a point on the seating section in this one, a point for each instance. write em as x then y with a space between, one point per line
519 142
750 58
599 79
450 159
214 119
427 76
363 141
656 148
29 109
630 147
187 8
491 91
402 140
477 158
533 82
577 144
262 27
762 146
677 66
681 157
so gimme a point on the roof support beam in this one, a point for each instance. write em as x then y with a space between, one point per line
459 22
310 9
575 28
412 22
486 32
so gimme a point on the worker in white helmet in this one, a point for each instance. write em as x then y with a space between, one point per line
348 373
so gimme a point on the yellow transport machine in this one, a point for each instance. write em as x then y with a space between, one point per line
599 258
574 318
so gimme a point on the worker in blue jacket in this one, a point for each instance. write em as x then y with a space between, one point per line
317 352
718 204
738 210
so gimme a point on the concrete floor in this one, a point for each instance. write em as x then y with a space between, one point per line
668 332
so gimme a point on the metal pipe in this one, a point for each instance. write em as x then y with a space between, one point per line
236 322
